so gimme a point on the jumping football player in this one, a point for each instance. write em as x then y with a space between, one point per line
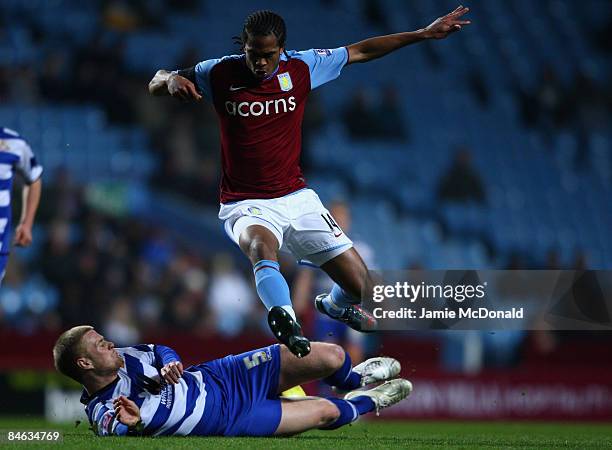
259 97
144 390
17 156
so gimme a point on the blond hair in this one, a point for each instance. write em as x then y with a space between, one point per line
67 349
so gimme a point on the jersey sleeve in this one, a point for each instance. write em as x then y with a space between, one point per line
324 64
27 165
104 422
164 355
202 77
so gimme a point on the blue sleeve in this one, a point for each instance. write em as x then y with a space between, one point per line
202 76
106 424
164 355
324 64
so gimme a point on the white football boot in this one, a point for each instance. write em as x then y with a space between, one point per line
377 369
385 395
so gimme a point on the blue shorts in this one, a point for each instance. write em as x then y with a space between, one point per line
242 394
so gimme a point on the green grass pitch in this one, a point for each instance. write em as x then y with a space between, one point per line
376 433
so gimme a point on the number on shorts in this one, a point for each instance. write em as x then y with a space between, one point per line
331 223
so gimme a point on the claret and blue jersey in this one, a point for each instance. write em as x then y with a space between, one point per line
261 121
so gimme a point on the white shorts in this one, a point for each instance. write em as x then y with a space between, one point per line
300 222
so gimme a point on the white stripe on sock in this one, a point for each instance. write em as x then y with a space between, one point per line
355 412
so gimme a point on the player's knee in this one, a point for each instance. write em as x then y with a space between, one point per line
328 412
258 249
334 357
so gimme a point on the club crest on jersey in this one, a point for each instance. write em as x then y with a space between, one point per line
284 79
254 210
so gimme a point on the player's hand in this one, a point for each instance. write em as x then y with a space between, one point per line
126 411
23 235
172 371
183 89
445 25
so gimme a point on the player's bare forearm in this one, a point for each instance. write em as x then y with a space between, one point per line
171 83
376 47
31 200
159 84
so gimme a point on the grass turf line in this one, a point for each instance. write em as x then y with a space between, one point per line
367 434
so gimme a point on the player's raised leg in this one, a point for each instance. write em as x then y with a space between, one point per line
353 282
332 364
323 362
261 246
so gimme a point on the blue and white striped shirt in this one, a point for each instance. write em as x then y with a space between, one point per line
15 155
165 409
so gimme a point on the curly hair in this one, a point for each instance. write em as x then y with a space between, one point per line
263 23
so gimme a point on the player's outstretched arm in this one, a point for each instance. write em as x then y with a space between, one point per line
31 199
171 83
376 47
